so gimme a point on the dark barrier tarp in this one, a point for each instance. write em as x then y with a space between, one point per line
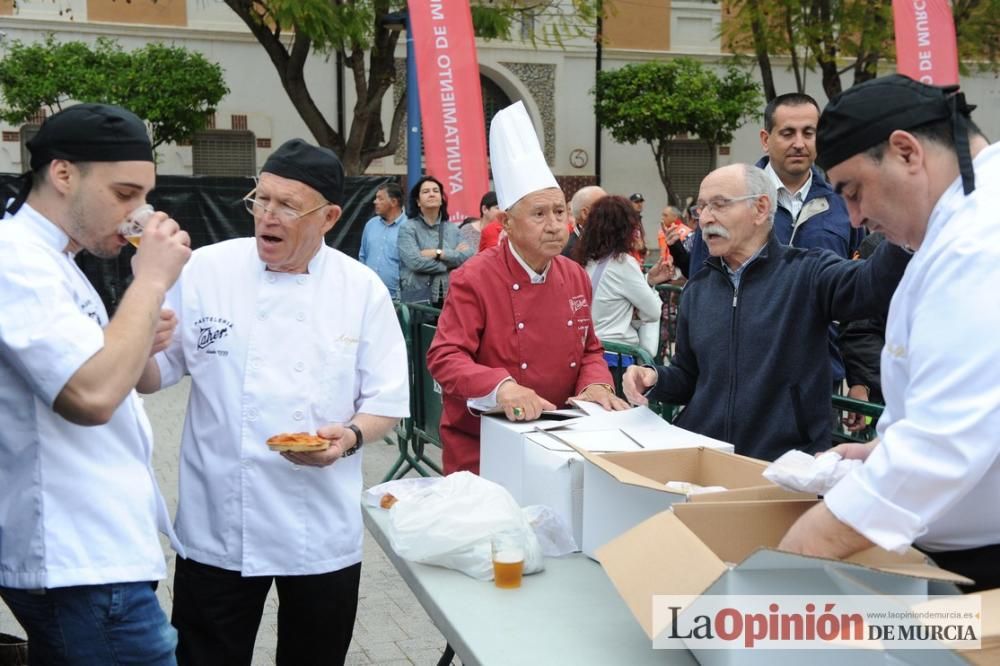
210 209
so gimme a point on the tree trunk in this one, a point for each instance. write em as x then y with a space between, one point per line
824 45
290 66
760 46
365 139
662 155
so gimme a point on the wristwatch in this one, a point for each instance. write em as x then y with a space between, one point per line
358 436
438 254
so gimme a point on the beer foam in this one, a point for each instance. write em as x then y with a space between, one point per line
509 556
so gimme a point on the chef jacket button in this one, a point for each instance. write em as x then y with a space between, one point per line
569 323
251 414
573 364
301 316
524 366
516 287
271 278
300 366
254 365
301 280
520 324
261 316
298 415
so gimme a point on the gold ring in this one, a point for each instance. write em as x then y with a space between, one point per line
518 412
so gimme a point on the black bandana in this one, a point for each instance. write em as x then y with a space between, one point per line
865 115
319 168
86 133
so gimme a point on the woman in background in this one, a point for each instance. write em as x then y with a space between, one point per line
429 245
624 299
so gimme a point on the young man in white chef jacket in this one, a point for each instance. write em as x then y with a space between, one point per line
279 333
79 504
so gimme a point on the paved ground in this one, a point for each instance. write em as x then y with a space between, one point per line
392 629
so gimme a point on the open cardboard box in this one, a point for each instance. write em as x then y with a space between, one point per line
719 548
989 653
623 489
540 468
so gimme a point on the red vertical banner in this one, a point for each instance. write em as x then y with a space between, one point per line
451 101
926 48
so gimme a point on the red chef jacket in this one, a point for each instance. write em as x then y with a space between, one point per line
497 324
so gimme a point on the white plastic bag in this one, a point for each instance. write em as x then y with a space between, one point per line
449 524
554 535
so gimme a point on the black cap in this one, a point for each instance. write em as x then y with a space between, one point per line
636 197
91 133
865 115
317 167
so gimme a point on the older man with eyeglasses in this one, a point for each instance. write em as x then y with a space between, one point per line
751 360
280 334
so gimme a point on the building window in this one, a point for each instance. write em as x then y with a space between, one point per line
224 153
238 121
690 162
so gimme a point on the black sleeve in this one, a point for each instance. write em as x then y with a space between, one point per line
682 259
860 343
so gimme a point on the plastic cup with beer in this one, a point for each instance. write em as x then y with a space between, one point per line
131 228
508 559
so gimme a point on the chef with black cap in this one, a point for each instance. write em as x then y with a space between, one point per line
280 334
79 504
911 164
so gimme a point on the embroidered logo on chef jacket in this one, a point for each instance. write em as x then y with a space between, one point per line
577 303
896 351
90 309
213 334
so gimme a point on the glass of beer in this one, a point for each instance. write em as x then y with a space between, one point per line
131 228
508 559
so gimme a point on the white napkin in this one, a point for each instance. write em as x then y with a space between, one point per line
797 470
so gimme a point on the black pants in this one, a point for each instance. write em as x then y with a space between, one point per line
217 613
980 564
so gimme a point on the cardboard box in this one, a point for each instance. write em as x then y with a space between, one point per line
715 548
623 489
989 653
537 468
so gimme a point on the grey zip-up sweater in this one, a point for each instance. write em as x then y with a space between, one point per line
752 365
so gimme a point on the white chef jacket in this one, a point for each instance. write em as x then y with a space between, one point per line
270 353
935 477
78 505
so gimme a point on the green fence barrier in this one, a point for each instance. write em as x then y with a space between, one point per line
421 428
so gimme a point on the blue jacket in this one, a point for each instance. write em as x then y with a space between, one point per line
751 364
823 222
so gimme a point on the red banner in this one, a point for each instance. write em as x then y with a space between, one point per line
925 41
451 101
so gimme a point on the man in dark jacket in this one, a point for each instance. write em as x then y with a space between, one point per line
751 360
809 213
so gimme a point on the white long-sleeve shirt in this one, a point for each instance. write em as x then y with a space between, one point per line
935 477
622 290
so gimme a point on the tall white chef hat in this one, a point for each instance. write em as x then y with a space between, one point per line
519 166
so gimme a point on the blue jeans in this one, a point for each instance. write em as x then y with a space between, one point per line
116 623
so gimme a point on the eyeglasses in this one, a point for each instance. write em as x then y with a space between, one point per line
718 204
280 211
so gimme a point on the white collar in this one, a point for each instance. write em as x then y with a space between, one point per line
536 278
801 193
47 230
